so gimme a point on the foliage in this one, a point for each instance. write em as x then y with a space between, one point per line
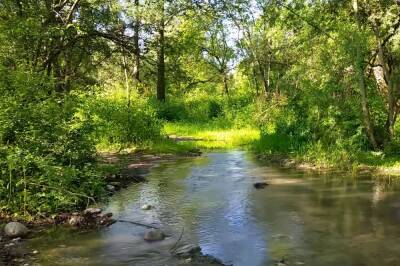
46 153
317 80
117 124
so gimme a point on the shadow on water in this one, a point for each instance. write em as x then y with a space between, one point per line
306 219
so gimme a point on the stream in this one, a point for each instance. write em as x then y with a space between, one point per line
303 218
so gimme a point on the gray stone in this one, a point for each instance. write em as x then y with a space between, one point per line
110 188
9 245
146 207
75 220
154 235
92 211
187 251
15 229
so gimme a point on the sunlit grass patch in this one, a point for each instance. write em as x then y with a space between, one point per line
213 135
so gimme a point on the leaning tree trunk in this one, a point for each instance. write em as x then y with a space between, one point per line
161 59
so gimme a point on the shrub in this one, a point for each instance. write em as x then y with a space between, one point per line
116 123
46 153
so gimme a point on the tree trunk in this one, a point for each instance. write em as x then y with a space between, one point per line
136 29
255 80
363 91
161 59
127 87
391 94
225 81
264 79
364 101
268 77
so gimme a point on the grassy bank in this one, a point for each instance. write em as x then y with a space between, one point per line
317 156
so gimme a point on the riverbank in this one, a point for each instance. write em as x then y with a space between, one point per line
277 150
120 170
382 167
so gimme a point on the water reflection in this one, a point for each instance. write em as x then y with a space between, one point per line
306 219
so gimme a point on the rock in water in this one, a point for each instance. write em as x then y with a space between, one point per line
15 229
187 251
146 207
260 185
154 235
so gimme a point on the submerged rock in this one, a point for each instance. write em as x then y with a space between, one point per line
15 229
154 235
260 185
282 262
187 251
146 207
193 255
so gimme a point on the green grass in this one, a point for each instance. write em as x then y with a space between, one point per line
160 146
213 135
276 147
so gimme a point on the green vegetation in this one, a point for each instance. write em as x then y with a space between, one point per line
213 135
315 81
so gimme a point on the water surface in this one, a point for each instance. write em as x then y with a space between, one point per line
305 219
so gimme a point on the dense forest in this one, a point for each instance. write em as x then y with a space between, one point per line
314 80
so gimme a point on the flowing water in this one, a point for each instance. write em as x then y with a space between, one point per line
305 219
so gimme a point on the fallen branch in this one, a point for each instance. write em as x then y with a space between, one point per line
176 243
138 223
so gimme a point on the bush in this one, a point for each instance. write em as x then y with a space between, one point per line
116 123
46 153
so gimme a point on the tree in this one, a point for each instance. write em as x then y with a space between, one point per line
218 53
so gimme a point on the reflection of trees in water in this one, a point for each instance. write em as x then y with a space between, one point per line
339 215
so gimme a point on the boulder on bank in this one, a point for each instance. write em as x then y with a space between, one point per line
76 220
110 188
15 229
154 235
92 211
